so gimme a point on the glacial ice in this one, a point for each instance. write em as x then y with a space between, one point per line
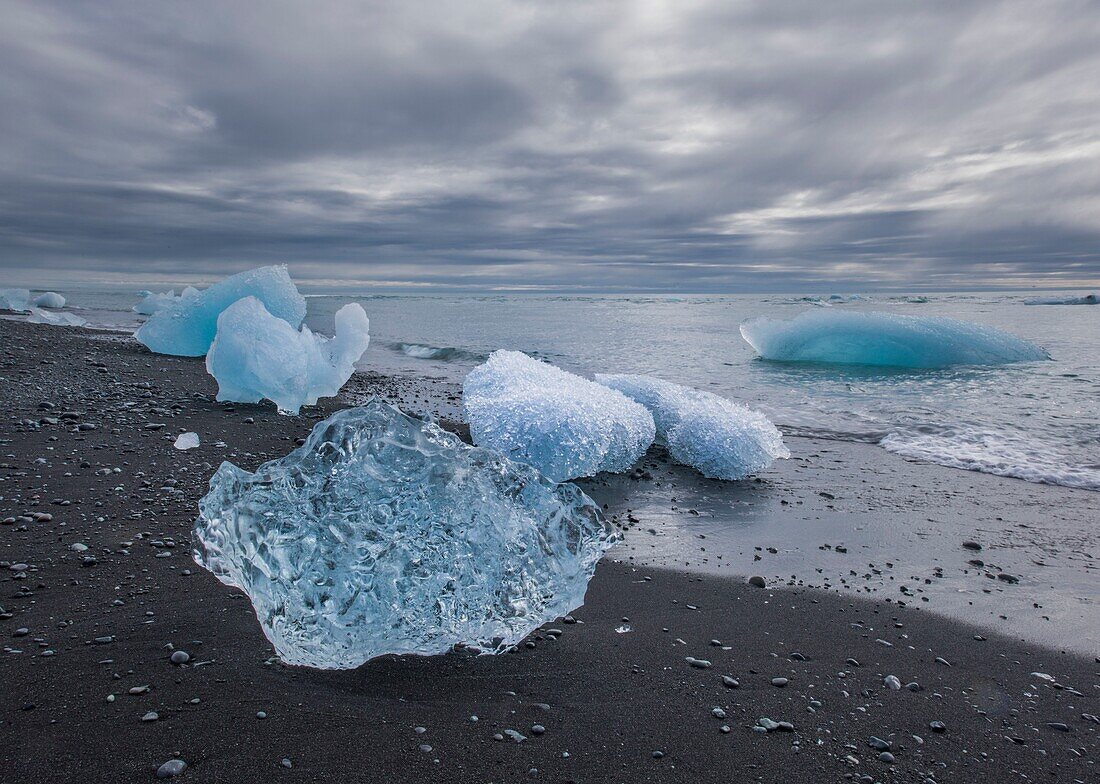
39 316
256 355
185 441
50 299
150 302
15 299
562 424
1084 299
186 327
718 437
885 339
383 534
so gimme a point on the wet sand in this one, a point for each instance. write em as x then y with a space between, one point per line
614 691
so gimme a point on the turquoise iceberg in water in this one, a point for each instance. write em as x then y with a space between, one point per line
885 339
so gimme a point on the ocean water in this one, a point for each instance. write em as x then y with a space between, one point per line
1036 421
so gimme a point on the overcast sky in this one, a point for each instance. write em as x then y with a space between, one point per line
682 146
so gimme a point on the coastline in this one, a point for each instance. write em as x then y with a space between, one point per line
614 698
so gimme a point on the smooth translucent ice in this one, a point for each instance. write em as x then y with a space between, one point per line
50 299
885 339
564 425
1084 299
185 441
150 302
720 438
15 299
186 326
39 316
256 355
385 534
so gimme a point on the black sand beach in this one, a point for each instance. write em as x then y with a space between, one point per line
609 695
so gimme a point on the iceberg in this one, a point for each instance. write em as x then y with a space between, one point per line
1085 299
384 534
50 299
15 299
563 425
150 303
256 355
885 339
186 327
39 316
720 438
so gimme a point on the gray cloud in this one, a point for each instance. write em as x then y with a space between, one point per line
695 146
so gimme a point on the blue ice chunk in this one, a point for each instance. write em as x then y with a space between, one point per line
49 299
385 534
39 316
186 327
720 438
885 339
564 425
256 355
15 299
150 302
1084 299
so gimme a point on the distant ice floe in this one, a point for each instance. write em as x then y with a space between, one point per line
15 299
186 326
885 339
384 534
563 425
39 316
256 355
1085 299
438 353
151 302
720 438
49 299
185 441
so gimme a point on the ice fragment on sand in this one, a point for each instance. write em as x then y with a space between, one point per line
186 327
186 441
150 302
15 299
564 425
39 316
385 534
256 355
885 339
50 299
722 439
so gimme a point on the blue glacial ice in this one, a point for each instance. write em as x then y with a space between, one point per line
49 299
563 425
885 339
1084 299
256 355
186 326
151 302
15 299
383 534
720 438
39 316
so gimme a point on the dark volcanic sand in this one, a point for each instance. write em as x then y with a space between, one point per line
608 698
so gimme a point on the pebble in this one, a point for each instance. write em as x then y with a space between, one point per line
779 682
730 682
700 664
892 682
180 657
172 767
937 726
757 581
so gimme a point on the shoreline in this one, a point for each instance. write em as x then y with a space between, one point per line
607 699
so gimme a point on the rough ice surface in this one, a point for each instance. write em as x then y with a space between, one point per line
187 326
256 355
15 299
50 299
885 339
39 316
151 302
1084 299
385 534
185 441
564 425
720 438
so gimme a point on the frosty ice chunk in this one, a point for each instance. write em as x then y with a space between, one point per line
885 339
186 326
385 534
256 355
720 438
564 425
15 299
185 441
49 299
150 302
39 316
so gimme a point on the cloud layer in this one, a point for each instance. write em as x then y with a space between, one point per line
693 146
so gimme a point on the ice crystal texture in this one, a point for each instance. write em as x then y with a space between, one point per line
385 534
885 339
564 425
256 355
186 327
720 438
